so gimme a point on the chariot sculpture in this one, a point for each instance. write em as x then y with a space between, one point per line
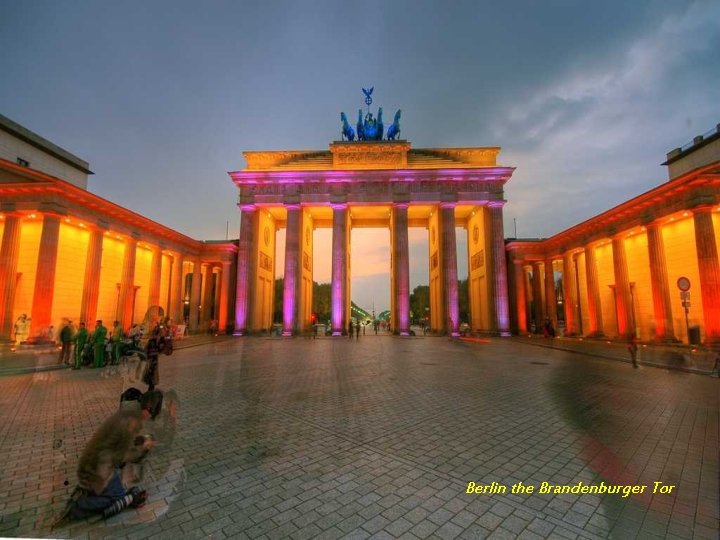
369 128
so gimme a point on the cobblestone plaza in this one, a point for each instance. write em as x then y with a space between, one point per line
380 437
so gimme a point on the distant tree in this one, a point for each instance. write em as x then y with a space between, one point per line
322 301
419 301
463 301
278 307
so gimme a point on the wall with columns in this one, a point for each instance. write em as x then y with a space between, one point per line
478 270
263 262
437 298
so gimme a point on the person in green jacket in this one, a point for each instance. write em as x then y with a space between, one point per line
98 339
80 339
116 336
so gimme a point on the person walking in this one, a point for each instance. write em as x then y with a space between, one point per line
633 348
357 330
116 337
350 329
98 340
66 339
80 338
151 377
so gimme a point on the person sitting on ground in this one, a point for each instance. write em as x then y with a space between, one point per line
102 472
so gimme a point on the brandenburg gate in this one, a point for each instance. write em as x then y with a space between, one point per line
372 183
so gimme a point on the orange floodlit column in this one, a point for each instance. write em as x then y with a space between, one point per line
9 252
401 269
339 268
623 298
45 275
570 294
521 297
176 296
659 282
245 273
449 267
224 297
593 293
195 293
709 268
127 283
537 286
207 300
91 283
550 297
499 301
155 276
291 280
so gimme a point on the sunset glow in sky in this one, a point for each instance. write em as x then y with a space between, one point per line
162 97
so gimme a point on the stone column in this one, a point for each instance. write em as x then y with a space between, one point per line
550 297
339 268
659 281
449 266
127 283
224 298
623 296
155 276
45 274
207 299
593 292
9 252
520 295
176 288
91 282
401 268
538 304
570 294
195 293
291 281
709 269
244 271
497 248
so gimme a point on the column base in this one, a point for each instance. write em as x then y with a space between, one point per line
287 333
239 333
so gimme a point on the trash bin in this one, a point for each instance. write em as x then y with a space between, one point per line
694 335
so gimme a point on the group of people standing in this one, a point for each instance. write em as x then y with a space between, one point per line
103 347
354 328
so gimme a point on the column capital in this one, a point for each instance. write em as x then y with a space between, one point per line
496 204
292 206
451 205
403 205
247 207
339 206
703 208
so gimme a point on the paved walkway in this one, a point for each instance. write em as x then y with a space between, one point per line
332 438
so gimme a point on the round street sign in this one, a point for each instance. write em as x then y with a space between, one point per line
683 284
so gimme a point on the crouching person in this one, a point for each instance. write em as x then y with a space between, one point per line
105 465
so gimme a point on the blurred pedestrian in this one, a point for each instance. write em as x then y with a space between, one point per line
81 338
66 339
633 348
98 339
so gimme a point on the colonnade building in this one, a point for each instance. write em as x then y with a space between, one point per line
67 254
649 266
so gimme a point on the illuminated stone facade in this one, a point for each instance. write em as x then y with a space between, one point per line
67 254
372 184
617 273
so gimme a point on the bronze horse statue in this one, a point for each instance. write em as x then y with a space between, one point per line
347 130
393 131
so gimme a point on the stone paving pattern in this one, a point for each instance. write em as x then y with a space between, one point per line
378 438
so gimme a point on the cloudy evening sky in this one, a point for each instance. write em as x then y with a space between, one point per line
585 98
